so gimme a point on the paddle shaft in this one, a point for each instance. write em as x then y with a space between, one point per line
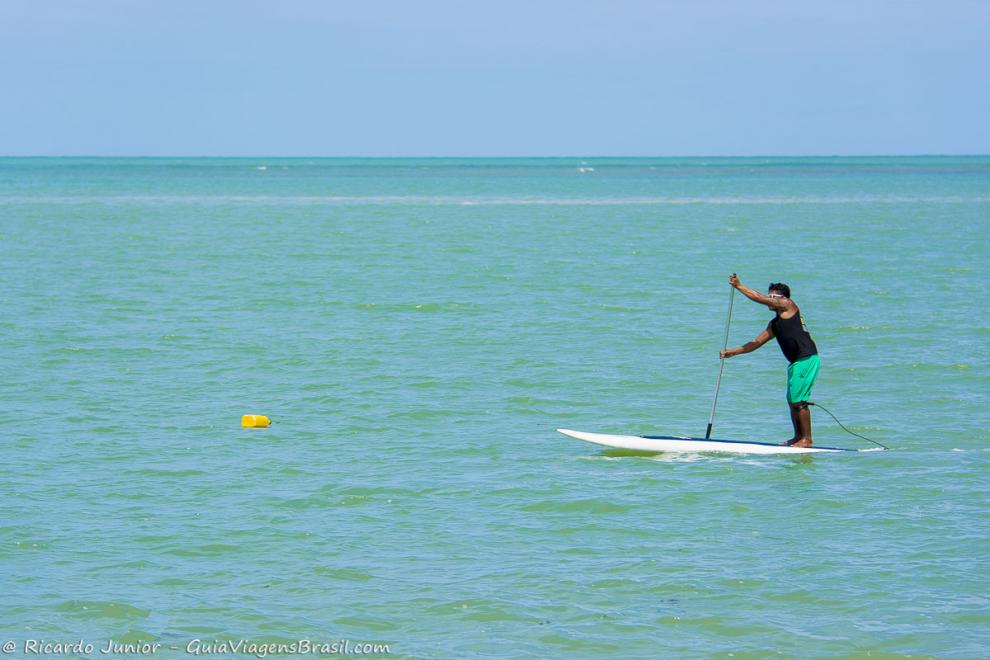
721 364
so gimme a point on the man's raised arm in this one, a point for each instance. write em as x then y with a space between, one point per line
777 303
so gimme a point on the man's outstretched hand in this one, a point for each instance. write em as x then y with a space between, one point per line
733 280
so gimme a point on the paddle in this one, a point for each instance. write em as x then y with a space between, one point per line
721 362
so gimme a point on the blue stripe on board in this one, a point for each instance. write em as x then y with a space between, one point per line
735 442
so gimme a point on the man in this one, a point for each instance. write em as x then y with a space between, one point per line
798 347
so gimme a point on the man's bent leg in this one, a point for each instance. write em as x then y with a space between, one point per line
801 377
795 423
803 412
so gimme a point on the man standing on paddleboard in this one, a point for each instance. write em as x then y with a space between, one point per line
798 347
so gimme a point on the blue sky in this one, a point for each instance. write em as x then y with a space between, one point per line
506 78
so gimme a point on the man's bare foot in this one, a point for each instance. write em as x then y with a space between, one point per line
790 442
801 442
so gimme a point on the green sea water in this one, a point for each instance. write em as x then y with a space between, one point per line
417 329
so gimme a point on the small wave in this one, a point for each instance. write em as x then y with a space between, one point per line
94 609
589 506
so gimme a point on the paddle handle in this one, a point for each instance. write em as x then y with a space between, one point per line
721 363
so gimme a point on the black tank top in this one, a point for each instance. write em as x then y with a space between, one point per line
793 337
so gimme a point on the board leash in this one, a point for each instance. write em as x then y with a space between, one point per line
818 405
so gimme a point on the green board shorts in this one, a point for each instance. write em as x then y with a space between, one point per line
801 377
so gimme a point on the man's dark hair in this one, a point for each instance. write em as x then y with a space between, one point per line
781 288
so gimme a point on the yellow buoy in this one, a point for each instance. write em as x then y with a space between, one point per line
255 422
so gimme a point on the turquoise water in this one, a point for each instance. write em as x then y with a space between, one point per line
417 329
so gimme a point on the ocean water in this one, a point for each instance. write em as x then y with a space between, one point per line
417 329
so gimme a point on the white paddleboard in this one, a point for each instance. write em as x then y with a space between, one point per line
663 443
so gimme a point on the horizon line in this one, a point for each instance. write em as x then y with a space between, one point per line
503 157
